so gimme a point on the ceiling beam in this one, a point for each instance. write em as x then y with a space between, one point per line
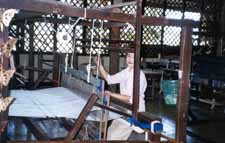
64 21
118 5
68 10
56 7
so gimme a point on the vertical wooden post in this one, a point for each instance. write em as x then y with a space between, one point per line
31 51
184 83
221 19
114 56
136 82
56 56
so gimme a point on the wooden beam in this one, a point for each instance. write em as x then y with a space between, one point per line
68 10
118 5
91 141
60 141
130 50
111 41
35 129
162 21
65 21
113 110
80 120
56 7
184 84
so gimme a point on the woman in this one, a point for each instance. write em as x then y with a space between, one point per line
120 129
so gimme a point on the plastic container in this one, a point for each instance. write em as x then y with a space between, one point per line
170 91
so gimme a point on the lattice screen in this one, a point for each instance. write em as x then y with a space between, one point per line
26 38
96 36
193 5
97 31
170 36
152 34
13 33
176 4
128 32
43 37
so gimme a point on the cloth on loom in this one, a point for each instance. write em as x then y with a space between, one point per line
51 102
121 129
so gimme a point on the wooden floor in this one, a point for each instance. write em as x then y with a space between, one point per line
207 127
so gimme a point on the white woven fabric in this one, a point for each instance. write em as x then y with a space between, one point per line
51 102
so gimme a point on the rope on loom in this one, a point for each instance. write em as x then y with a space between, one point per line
90 55
74 39
99 48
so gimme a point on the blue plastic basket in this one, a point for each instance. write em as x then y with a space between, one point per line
170 91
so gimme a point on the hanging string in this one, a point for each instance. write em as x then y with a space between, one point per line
74 40
85 13
90 55
99 47
66 63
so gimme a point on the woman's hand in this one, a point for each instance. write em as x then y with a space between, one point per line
108 93
118 96
98 61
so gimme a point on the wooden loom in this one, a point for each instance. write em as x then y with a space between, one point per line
138 20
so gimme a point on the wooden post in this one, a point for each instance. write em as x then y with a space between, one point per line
56 56
184 83
136 81
114 56
31 51
221 19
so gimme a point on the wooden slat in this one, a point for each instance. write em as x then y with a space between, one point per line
91 141
65 21
114 49
80 120
112 40
118 5
35 129
3 125
60 141
162 21
147 117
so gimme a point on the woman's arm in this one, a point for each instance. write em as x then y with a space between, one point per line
102 69
124 98
103 72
